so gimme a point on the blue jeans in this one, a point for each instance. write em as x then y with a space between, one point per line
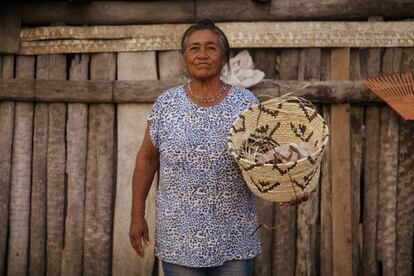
229 268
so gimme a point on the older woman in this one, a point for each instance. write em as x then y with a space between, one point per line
205 215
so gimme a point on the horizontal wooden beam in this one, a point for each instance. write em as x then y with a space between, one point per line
138 12
70 39
148 91
9 31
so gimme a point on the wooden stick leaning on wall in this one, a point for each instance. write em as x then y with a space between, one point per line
7 111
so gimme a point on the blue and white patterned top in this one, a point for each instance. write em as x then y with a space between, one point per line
205 213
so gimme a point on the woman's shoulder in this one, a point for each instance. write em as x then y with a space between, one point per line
244 94
171 93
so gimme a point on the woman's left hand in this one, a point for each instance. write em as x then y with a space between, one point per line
295 200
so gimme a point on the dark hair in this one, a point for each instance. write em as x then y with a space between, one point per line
207 24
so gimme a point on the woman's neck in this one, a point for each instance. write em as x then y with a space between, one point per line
206 88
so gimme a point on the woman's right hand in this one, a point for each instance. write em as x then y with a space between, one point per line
138 233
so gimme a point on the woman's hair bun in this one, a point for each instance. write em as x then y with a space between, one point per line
207 22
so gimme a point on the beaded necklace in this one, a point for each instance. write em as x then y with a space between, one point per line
210 99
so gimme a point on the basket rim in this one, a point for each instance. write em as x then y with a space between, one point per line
313 154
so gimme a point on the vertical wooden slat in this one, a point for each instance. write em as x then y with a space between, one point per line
289 64
307 212
370 201
357 135
76 135
132 123
53 67
325 256
405 188
37 263
6 141
282 253
19 212
171 65
263 262
388 162
99 175
7 67
405 202
265 60
326 205
341 166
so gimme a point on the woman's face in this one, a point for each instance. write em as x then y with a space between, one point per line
203 56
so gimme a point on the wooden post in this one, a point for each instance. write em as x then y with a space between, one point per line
6 141
100 175
76 136
19 212
132 123
283 249
341 168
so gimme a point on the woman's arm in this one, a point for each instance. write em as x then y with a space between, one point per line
146 165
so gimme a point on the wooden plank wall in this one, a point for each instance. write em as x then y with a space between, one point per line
65 172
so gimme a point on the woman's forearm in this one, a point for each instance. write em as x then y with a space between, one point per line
144 172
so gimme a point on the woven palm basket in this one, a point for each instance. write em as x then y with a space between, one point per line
279 121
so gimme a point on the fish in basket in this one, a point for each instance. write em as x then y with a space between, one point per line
290 130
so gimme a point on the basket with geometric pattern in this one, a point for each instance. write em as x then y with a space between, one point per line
280 121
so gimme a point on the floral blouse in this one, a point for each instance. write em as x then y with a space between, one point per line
205 213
